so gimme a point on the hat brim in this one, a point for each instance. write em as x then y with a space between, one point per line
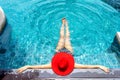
55 60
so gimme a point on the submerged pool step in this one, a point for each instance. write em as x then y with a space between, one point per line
110 59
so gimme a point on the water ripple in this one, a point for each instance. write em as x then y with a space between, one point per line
36 25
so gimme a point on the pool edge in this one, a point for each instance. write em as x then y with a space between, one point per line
2 19
31 74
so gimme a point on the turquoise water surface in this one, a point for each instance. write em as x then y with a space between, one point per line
35 26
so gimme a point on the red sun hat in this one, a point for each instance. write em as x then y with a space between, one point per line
62 63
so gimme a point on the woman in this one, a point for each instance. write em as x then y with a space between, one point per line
64 45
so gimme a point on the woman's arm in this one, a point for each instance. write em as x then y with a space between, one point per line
79 66
47 66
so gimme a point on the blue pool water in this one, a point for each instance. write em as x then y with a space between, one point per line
35 26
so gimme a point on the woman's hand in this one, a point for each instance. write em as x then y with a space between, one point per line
104 69
22 69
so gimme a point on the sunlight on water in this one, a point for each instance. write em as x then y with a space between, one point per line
36 25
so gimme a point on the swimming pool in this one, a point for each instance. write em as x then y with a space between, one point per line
35 27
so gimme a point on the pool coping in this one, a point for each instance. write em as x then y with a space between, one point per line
118 37
39 74
2 19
